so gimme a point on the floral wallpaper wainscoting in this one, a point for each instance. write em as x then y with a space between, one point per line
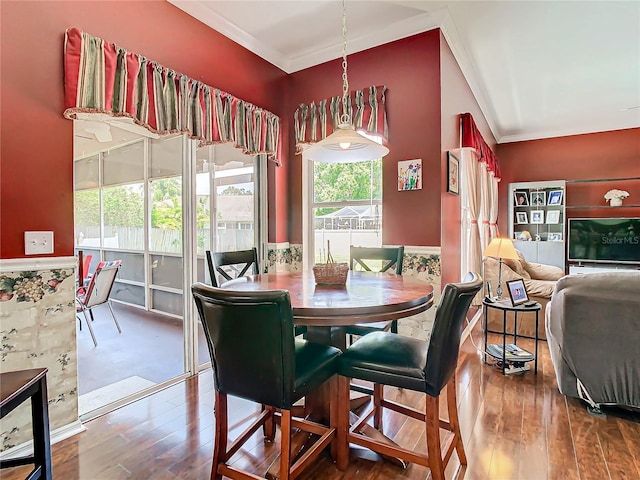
38 329
424 264
284 257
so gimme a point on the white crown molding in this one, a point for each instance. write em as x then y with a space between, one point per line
395 31
564 132
57 435
210 18
40 263
451 35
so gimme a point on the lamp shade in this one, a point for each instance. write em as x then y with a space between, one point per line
344 145
501 248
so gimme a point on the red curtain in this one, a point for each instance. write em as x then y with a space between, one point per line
471 137
101 77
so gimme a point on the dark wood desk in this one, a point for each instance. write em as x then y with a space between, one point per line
325 310
15 388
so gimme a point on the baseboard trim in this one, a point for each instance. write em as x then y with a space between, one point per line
57 435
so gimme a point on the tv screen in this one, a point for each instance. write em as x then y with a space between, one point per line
604 240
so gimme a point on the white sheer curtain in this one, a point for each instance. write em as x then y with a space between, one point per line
485 204
493 207
471 168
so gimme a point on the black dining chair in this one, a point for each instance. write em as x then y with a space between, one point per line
225 266
390 258
255 356
423 366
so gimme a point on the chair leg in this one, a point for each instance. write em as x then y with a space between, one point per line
114 317
342 427
394 326
269 427
285 444
434 448
378 395
93 335
220 435
452 407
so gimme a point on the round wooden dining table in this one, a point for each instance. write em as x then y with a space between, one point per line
367 297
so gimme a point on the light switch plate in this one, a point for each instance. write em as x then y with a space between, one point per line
38 243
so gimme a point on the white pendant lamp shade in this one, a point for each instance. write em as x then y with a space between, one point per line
344 145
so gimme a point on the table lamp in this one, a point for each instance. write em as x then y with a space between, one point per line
500 248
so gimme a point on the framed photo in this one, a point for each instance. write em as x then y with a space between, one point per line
521 217
517 292
453 174
520 199
555 237
553 216
538 199
555 197
537 216
410 175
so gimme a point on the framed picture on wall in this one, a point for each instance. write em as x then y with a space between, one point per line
453 174
410 174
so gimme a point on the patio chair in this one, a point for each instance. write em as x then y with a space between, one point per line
97 293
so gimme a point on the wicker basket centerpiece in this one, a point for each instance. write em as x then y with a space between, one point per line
331 273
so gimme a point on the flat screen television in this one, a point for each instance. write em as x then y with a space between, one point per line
604 240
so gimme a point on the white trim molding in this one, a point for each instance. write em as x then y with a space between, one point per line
419 250
40 263
278 246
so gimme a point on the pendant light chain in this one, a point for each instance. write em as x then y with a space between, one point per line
346 117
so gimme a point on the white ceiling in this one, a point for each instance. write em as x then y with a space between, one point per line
537 68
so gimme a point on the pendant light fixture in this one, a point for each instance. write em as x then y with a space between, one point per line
345 145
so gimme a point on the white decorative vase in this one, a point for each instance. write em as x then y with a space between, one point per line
616 202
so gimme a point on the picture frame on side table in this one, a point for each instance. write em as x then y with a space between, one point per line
537 216
521 217
555 197
453 174
553 216
517 292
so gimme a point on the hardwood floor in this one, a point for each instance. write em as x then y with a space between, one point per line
514 427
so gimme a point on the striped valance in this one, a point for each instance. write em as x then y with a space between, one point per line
101 77
314 122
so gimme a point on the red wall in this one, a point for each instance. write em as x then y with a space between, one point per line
410 70
614 154
457 98
36 154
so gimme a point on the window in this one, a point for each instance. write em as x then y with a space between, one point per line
344 205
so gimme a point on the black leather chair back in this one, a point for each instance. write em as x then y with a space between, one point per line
239 263
251 342
392 255
444 346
